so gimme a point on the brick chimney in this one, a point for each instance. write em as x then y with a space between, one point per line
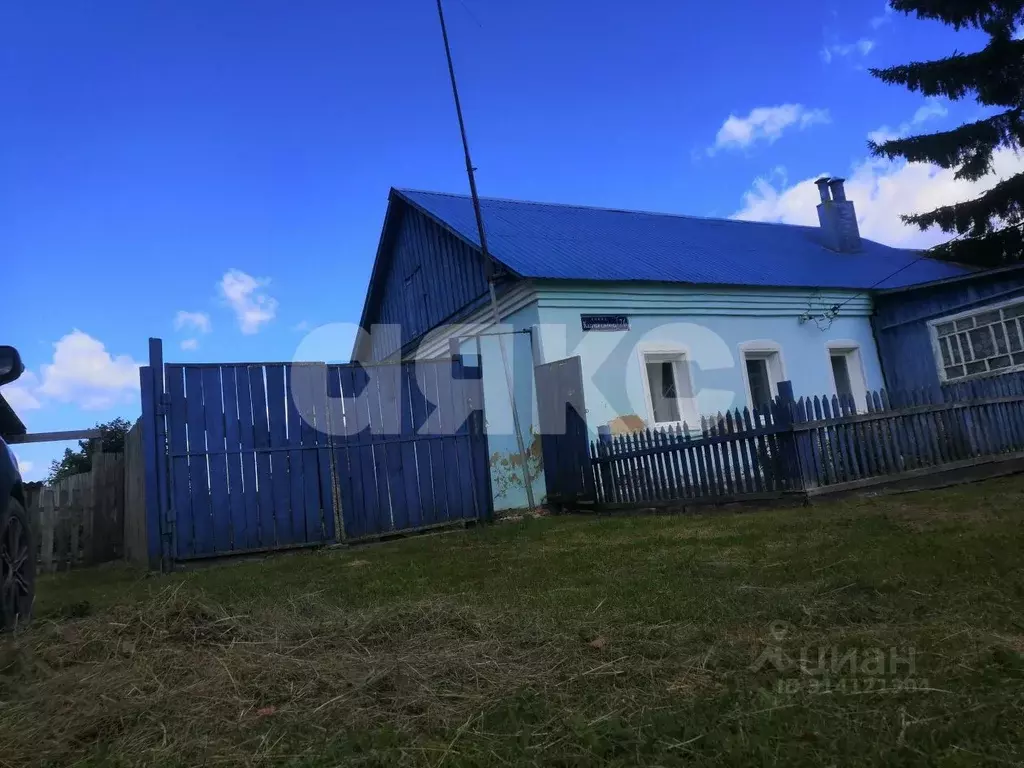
837 217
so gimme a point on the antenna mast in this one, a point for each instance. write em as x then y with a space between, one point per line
488 264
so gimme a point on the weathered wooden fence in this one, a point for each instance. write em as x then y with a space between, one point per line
136 548
903 433
80 519
814 445
737 454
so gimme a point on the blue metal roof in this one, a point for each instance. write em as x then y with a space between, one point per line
569 242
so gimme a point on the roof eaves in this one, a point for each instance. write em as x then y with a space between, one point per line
947 280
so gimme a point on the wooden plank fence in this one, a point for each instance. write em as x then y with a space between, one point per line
136 541
79 520
811 445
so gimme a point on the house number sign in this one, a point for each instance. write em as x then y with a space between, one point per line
605 322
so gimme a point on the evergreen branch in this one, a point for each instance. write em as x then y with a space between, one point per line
982 14
989 227
995 74
968 147
1004 202
996 249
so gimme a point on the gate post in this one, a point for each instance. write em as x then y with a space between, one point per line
795 446
604 448
154 438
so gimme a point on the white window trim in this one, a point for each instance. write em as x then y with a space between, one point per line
933 337
761 347
687 405
854 364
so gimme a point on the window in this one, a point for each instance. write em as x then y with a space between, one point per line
989 340
668 386
760 382
848 373
762 366
841 375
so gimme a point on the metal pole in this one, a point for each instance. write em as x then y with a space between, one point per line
488 263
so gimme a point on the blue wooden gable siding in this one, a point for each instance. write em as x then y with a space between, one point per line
430 276
901 322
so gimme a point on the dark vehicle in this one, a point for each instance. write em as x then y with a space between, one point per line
17 550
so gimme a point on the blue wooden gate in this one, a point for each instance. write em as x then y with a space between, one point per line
255 457
561 411
413 452
246 471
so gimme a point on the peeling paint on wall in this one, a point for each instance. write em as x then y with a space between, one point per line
506 468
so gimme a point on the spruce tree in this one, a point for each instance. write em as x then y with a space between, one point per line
987 228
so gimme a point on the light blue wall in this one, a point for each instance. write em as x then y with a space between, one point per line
711 325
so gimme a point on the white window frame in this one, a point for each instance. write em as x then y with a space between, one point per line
933 335
854 367
771 352
687 405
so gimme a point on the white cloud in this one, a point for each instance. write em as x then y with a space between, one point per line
862 47
934 108
881 191
884 134
931 110
83 372
20 395
252 306
884 18
200 321
765 124
190 344
302 325
29 471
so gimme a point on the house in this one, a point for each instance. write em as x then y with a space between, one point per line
671 316
952 329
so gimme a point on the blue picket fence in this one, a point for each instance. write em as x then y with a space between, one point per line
907 431
732 454
803 445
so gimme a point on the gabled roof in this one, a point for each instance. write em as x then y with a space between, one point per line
570 242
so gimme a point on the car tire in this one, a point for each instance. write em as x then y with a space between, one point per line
17 567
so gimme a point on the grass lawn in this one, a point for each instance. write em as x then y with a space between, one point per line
749 639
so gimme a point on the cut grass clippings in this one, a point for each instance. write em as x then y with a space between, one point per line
868 632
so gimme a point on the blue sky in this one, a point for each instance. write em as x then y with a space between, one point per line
231 159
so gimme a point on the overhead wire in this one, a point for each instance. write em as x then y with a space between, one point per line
833 311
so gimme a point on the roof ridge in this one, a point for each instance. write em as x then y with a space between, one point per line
580 206
633 211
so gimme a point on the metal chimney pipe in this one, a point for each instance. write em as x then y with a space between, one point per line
836 187
823 189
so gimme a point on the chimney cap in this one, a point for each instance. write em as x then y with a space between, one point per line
823 189
835 185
